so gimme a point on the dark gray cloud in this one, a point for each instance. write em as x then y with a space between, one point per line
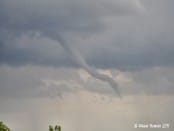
114 34
75 15
39 21
32 50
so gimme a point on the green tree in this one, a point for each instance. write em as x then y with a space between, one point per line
51 128
3 127
56 128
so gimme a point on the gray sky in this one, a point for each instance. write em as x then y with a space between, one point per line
130 41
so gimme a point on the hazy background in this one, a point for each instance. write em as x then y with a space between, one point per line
131 41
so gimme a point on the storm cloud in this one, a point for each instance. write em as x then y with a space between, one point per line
137 33
128 35
29 28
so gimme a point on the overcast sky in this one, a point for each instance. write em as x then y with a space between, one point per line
130 41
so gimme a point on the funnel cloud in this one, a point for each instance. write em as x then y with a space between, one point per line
80 61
